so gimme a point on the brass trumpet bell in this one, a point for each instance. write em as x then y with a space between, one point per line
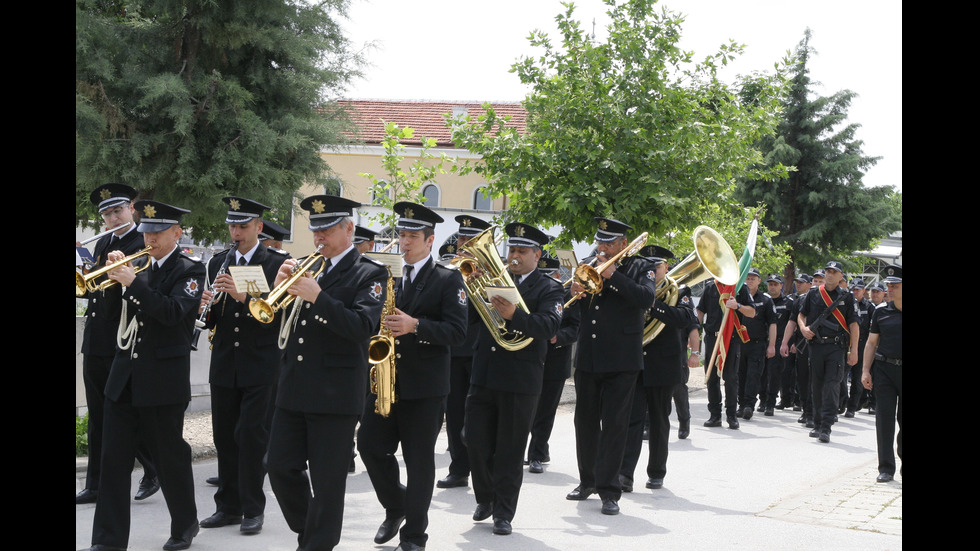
86 283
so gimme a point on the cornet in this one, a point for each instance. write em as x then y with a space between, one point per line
87 283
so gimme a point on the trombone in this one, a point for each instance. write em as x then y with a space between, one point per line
87 283
265 309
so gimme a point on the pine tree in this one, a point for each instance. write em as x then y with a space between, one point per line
192 100
821 209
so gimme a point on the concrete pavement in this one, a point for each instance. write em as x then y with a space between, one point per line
765 486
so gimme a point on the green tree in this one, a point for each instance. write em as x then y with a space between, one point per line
631 128
192 100
821 209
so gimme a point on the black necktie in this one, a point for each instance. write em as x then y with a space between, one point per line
407 284
242 261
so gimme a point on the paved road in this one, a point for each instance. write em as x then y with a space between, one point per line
766 486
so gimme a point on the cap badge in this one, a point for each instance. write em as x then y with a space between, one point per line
318 206
409 213
149 211
467 222
105 194
519 231
603 225
235 204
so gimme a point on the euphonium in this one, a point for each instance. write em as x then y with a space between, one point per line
712 257
87 282
485 269
265 309
381 355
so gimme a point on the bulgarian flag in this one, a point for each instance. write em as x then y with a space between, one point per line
730 323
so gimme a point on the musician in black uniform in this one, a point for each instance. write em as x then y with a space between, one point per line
506 384
682 397
883 365
272 234
877 291
245 359
711 311
323 384
864 311
364 239
609 356
429 317
149 385
761 329
460 371
775 363
664 368
115 204
557 369
828 321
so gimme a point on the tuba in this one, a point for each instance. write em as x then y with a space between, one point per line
381 355
712 257
86 283
483 270
265 309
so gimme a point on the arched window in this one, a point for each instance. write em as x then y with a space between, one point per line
375 197
431 194
480 201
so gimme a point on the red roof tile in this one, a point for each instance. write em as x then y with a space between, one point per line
427 118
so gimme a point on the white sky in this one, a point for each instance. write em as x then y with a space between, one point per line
462 50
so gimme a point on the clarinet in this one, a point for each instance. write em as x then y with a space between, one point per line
199 324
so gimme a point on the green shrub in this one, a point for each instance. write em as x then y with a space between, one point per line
81 435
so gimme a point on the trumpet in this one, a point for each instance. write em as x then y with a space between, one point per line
265 309
107 232
86 283
590 278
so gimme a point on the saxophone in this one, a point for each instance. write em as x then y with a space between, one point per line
381 355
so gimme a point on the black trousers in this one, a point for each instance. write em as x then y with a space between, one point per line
459 386
544 420
857 390
654 401
322 440
682 401
826 370
790 394
497 426
774 381
602 412
95 373
161 429
414 424
888 393
729 376
803 380
751 361
240 418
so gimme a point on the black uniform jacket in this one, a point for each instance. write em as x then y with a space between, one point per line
164 303
422 358
557 364
326 366
245 352
520 371
662 364
102 316
611 332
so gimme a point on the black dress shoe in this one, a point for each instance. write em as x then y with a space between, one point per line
388 529
797 408
884 477
747 413
802 419
732 422
713 421
501 527
626 483
86 496
769 412
610 507
655 483
483 511
580 493
220 519
148 487
814 433
184 542
535 467
849 414
761 408
453 481
809 423
212 480
409 546
252 525
684 430
824 436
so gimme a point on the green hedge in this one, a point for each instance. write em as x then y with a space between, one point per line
81 435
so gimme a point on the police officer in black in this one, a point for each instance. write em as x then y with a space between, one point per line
828 321
461 368
711 311
883 366
245 359
609 357
429 317
761 329
323 384
793 343
149 385
790 397
663 370
864 310
775 362
115 205
557 369
507 380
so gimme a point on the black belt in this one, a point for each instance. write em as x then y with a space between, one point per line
887 360
839 338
